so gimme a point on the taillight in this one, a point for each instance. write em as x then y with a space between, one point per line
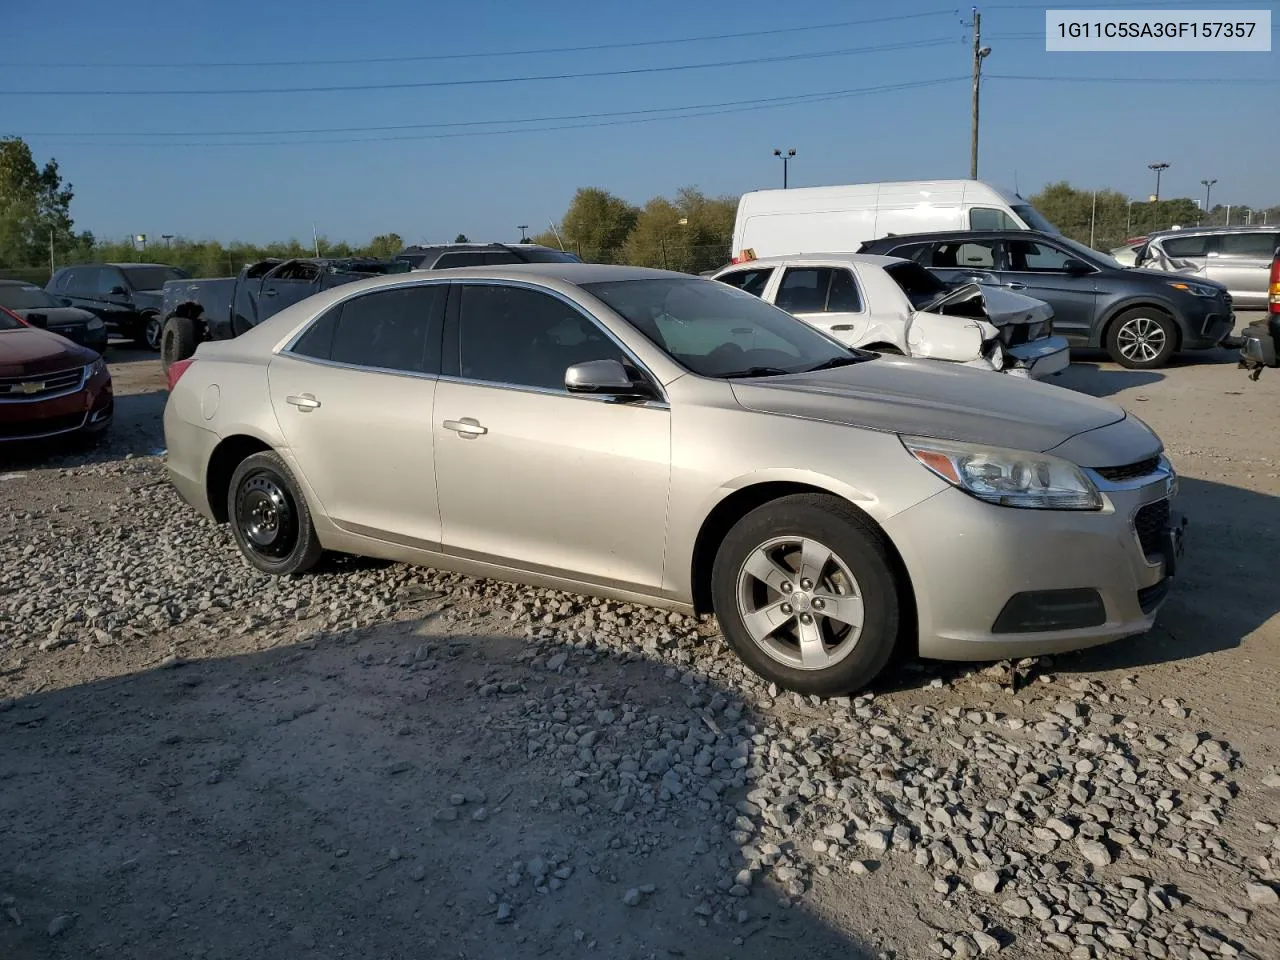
1274 298
176 370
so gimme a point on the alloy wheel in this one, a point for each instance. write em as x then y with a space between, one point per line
1141 339
800 603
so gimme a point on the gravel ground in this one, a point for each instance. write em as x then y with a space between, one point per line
377 760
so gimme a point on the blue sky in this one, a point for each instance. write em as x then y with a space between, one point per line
425 186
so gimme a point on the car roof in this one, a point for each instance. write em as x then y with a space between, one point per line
164 265
571 273
470 245
1200 231
873 259
975 234
6 282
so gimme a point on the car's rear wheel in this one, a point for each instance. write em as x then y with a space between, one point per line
148 332
805 592
177 341
269 516
1142 339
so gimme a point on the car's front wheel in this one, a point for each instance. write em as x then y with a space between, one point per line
1142 339
148 332
805 592
269 516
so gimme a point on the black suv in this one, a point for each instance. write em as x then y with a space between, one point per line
1140 317
441 256
125 295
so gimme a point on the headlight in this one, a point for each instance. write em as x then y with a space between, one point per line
93 369
1195 289
1010 478
993 351
95 324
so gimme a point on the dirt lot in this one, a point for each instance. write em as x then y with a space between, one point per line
379 761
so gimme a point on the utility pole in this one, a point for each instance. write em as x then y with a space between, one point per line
1208 185
52 268
1093 217
980 53
785 158
315 239
1159 167
522 228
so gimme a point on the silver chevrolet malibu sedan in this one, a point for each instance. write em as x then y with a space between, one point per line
668 440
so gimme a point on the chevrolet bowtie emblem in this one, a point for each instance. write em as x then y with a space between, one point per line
32 386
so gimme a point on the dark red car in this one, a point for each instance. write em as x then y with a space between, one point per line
49 386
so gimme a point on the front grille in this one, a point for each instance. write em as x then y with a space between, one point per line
38 386
1150 523
1151 597
1131 471
46 426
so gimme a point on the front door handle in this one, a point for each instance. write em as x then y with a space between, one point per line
1015 286
269 293
304 402
467 428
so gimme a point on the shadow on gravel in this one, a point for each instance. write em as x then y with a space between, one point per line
397 791
1099 381
123 351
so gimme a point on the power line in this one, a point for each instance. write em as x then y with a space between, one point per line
421 84
771 103
428 58
754 101
1007 76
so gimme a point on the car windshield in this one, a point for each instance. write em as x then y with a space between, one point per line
152 278
9 322
23 297
1033 218
546 255
1088 254
716 330
920 286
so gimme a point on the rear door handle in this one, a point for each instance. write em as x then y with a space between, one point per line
467 427
304 402
269 293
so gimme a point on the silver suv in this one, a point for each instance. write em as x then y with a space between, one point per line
1237 257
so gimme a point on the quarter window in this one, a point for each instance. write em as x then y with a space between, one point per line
818 290
751 281
520 337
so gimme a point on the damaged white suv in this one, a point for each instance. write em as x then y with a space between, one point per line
891 305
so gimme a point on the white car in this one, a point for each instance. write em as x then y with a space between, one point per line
891 305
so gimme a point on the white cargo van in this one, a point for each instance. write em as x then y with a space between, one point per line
772 223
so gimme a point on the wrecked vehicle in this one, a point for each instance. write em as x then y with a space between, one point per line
224 308
1260 344
891 305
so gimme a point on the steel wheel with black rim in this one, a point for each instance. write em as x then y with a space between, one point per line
1142 339
269 516
805 592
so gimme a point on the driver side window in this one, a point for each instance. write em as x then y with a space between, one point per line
108 280
1031 257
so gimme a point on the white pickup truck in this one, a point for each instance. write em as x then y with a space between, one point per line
891 305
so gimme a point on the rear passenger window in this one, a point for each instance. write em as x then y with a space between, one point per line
818 290
388 329
1248 244
749 281
459 260
1185 246
499 257
316 341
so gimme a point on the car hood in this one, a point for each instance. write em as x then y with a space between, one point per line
1175 266
57 316
34 351
1002 307
943 401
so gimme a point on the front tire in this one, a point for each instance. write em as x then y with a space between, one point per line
1142 339
147 335
270 518
177 341
805 592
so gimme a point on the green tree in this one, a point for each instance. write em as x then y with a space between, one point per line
597 224
461 238
35 207
1112 218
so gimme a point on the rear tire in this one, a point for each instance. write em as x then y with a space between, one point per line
177 341
270 518
1143 338
148 332
805 592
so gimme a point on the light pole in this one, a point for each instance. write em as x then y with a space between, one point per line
980 53
522 228
1208 185
166 237
1159 167
786 159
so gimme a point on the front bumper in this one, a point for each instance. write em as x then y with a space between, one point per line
88 408
1205 322
968 560
1039 358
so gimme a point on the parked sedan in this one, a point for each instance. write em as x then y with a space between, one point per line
49 386
39 309
1141 317
891 305
665 439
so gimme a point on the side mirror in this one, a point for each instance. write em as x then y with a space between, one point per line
1076 268
605 378
37 320
118 292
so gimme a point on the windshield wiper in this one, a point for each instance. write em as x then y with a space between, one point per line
756 372
838 362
